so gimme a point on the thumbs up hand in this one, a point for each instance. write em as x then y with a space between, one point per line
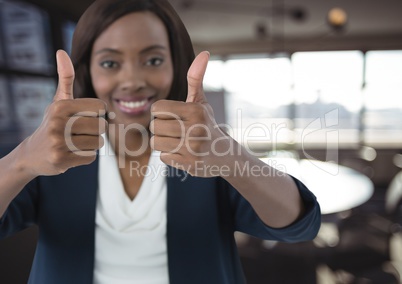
186 133
70 132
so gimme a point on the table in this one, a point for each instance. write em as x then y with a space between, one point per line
337 188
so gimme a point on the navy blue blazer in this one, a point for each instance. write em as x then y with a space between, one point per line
202 215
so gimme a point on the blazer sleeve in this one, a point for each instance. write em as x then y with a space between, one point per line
22 211
305 228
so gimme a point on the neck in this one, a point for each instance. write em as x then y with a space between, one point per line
132 145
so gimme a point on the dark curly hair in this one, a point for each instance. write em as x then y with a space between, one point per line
103 13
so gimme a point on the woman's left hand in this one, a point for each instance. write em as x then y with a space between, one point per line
189 138
187 134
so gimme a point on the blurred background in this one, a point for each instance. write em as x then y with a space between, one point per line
312 87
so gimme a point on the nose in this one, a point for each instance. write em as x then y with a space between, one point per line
132 78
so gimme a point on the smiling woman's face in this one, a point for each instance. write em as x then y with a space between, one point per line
131 67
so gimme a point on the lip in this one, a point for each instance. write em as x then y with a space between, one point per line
134 105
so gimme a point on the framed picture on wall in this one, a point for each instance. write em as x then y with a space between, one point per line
5 106
31 96
68 31
2 60
26 37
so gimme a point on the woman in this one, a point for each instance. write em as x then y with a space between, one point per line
102 218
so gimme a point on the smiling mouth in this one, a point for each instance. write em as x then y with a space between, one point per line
133 104
135 107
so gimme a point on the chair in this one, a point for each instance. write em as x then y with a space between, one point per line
368 243
393 195
393 207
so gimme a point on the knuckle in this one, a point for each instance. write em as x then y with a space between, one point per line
56 158
152 126
93 105
196 147
55 139
53 126
198 131
154 106
153 142
103 124
69 77
101 142
158 106
57 107
99 107
102 106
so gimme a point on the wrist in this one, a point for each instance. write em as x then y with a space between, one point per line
20 163
234 161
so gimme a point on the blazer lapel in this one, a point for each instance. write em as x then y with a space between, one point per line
192 227
68 207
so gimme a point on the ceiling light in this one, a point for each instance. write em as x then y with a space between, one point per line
337 18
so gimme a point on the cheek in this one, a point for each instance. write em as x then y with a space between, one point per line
101 86
165 83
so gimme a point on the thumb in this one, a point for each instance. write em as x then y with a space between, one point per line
195 77
65 70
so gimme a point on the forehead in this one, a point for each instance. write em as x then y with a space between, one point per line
134 30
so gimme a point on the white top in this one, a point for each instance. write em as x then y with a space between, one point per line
130 236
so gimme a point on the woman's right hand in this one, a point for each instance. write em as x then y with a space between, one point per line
70 133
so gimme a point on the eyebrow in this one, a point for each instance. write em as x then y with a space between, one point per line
145 50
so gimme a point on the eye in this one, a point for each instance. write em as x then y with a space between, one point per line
108 64
155 61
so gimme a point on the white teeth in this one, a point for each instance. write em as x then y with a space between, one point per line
133 104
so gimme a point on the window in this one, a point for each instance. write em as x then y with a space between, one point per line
327 91
257 95
313 99
382 98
